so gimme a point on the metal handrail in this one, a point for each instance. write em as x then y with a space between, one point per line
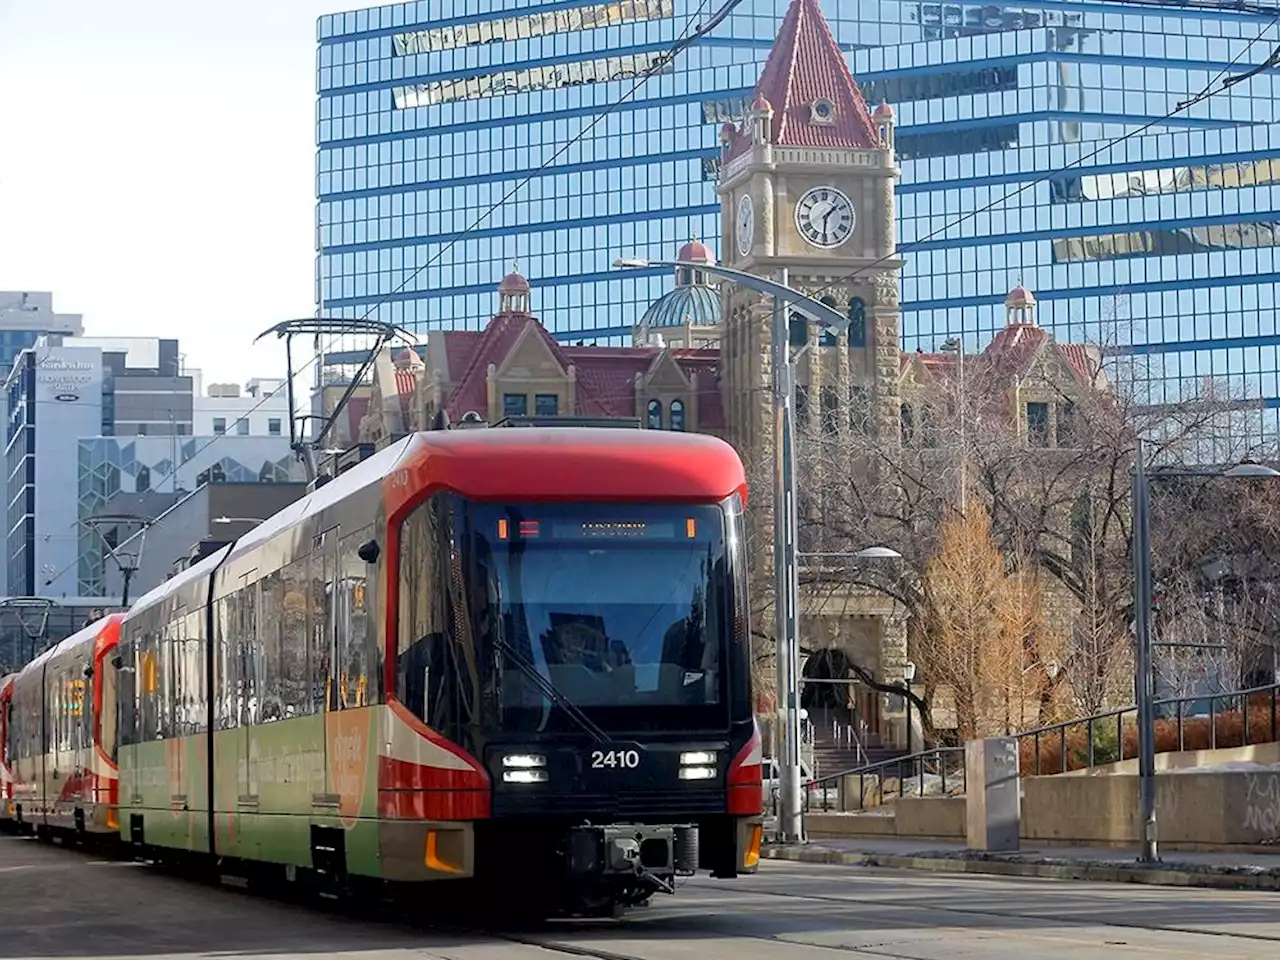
1101 726
941 761
937 762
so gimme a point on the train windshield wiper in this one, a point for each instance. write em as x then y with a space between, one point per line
551 691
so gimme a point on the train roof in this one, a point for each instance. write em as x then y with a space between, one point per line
548 463
156 594
84 635
572 463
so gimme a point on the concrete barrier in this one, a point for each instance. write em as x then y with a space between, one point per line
1210 808
931 818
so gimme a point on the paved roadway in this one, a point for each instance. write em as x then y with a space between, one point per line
85 907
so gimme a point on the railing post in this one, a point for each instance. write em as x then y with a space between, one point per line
1120 733
1213 723
1181 741
1062 748
1244 709
1273 713
1037 754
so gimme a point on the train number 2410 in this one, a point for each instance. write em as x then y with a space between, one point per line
615 759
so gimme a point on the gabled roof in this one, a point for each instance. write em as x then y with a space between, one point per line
493 346
805 66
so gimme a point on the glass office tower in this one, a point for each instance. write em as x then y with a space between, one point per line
1164 244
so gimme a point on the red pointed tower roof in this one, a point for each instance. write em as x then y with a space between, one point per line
816 102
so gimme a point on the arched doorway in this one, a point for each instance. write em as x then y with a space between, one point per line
842 710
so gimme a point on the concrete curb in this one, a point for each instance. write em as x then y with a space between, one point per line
1010 865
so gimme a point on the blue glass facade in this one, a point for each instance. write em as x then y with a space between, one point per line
1164 244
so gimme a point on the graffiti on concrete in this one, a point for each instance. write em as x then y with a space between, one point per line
1262 804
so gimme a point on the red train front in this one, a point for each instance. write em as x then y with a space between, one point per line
576 622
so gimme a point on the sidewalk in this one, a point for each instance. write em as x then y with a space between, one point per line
1234 871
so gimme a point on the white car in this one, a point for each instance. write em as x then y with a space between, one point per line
829 792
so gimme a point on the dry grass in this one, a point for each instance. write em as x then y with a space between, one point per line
1226 729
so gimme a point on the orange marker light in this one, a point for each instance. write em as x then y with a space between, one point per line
691 527
752 854
503 529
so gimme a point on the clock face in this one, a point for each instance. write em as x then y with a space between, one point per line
746 224
825 217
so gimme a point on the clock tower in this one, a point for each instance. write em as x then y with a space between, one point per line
807 191
807 196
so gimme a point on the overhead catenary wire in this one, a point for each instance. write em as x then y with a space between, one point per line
1210 89
693 31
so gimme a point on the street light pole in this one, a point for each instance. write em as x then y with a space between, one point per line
1144 693
785 546
786 580
1149 852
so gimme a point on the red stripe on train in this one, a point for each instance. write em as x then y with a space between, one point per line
411 791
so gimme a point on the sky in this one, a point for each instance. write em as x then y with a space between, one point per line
157 164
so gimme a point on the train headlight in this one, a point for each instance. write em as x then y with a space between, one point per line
698 758
524 761
697 773
524 776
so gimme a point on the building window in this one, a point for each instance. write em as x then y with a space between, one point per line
515 404
859 409
802 406
857 323
143 483
908 424
142 429
1038 424
242 426
655 415
827 338
219 425
546 405
677 414
1067 424
273 426
830 410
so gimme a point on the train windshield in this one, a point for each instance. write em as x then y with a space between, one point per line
622 615
620 612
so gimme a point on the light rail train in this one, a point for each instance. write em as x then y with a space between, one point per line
504 657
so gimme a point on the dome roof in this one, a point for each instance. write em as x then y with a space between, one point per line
883 112
1020 296
761 104
695 251
696 304
513 283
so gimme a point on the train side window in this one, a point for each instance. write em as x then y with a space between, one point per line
197 627
423 662
248 652
127 696
295 668
323 691
224 713
150 683
269 675
357 659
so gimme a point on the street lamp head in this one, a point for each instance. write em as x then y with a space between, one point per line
630 264
909 671
1251 469
878 553
237 520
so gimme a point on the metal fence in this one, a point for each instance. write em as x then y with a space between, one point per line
1197 722
931 773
